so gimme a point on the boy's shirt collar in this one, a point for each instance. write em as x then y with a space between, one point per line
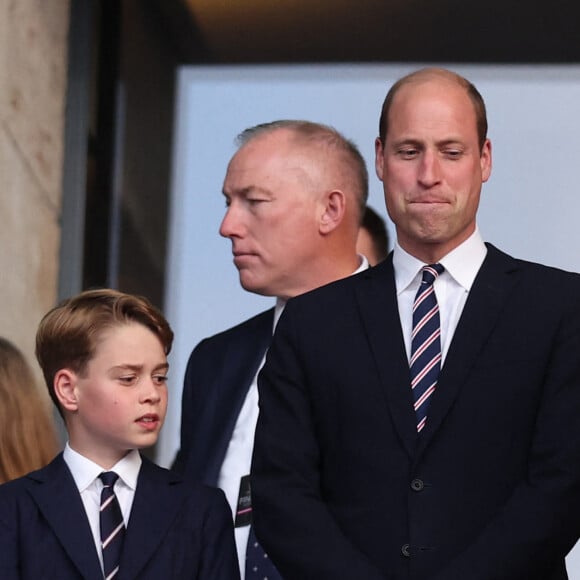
85 471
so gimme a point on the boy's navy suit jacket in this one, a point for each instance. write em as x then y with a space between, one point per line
176 529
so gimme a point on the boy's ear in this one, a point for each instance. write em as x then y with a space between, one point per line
65 382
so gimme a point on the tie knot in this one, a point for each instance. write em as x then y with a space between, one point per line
430 273
108 478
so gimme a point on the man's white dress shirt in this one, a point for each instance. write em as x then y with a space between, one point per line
451 287
238 458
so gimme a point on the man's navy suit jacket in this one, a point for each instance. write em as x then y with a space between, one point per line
219 373
343 486
177 530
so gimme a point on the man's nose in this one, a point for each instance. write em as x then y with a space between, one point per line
231 225
430 169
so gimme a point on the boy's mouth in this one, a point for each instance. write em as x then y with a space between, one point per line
149 421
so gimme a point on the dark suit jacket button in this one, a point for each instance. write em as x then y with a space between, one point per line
406 550
417 485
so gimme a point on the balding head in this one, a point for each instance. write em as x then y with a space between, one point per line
325 142
441 74
295 192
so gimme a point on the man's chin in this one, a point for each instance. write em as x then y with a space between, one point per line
253 286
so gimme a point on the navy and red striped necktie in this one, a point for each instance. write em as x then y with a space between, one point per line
425 362
112 525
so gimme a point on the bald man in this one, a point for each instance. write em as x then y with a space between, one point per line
295 193
419 421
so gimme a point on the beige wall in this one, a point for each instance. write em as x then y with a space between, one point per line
33 75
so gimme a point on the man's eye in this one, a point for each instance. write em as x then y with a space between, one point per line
453 153
408 153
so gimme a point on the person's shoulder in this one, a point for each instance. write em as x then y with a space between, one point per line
530 267
29 480
546 282
20 487
13 488
260 322
559 275
201 493
343 289
189 488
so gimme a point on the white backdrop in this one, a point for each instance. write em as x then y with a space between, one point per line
529 208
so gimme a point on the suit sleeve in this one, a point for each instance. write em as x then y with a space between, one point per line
189 411
9 552
291 518
186 433
219 560
540 523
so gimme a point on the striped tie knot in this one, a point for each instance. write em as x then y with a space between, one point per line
108 478
425 362
431 272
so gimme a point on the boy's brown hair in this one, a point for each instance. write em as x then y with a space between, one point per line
68 334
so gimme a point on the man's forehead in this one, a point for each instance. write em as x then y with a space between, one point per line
261 158
279 142
252 178
436 98
429 85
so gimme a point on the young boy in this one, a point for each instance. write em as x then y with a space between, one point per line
100 510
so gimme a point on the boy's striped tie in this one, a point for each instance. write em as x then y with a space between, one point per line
112 525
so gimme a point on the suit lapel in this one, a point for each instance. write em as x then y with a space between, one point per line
244 359
482 310
238 373
377 301
158 498
54 490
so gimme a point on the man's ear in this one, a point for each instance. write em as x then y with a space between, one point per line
65 382
379 158
485 161
334 210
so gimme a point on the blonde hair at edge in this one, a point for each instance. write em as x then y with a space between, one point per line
28 439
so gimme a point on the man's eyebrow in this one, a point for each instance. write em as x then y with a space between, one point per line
419 143
451 141
407 141
244 191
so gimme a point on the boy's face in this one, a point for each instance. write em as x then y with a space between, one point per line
119 402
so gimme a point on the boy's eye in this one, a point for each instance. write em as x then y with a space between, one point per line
128 379
160 379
